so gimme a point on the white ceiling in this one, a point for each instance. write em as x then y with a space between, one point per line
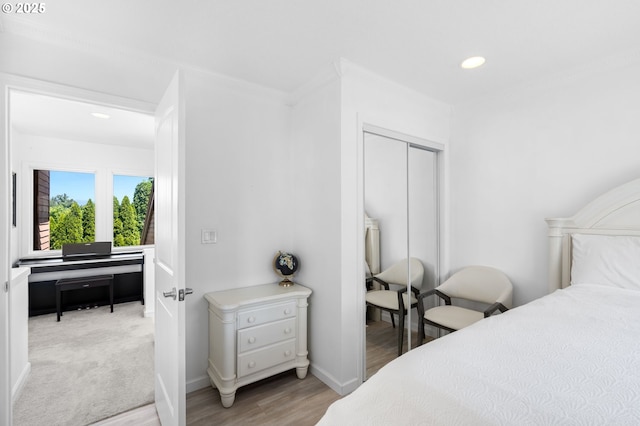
282 44
41 115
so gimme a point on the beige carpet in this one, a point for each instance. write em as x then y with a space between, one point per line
91 365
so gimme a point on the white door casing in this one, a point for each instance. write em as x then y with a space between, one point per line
170 388
10 82
5 377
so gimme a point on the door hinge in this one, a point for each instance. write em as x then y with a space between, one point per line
6 286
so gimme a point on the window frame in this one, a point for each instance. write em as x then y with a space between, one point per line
103 202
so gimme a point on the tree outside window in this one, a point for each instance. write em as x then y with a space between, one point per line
131 201
63 208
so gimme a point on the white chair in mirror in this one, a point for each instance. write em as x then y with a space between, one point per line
396 301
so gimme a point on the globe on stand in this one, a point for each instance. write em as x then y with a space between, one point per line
285 265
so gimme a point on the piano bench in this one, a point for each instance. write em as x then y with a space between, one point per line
79 283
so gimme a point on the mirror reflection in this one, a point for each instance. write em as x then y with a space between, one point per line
401 242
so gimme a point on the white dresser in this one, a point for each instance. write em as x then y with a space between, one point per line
256 332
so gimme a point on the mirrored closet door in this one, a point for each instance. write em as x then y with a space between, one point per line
401 238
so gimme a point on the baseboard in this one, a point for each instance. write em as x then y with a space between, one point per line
22 380
329 380
198 383
340 388
149 313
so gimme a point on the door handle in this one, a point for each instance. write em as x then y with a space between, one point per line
182 293
171 293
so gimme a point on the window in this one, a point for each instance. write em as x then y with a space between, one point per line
132 210
64 211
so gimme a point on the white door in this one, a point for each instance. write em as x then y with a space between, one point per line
170 393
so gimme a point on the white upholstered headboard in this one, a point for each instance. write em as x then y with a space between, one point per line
616 212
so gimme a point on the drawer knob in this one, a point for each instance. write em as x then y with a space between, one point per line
251 319
252 364
287 311
287 353
287 330
252 339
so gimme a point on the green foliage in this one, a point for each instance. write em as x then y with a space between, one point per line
70 223
61 200
89 222
67 228
141 201
129 219
118 239
116 208
56 211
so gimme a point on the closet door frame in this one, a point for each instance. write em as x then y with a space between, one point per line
411 141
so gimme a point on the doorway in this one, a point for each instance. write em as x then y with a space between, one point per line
76 135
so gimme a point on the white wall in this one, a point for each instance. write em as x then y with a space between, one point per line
327 145
239 181
385 194
369 98
541 151
315 143
14 166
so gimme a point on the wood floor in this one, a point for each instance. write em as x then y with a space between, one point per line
280 400
382 345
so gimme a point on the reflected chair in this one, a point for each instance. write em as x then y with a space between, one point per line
396 301
486 286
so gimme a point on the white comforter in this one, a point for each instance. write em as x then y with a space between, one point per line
570 358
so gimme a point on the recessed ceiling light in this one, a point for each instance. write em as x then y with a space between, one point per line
473 62
100 115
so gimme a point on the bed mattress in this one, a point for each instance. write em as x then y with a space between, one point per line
569 358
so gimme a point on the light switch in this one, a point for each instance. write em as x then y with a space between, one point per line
209 236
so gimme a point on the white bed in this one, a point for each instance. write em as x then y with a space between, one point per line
572 357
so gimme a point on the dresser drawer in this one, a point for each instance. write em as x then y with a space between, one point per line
253 362
256 332
263 315
266 334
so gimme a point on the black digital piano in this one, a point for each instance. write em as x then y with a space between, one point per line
84 261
